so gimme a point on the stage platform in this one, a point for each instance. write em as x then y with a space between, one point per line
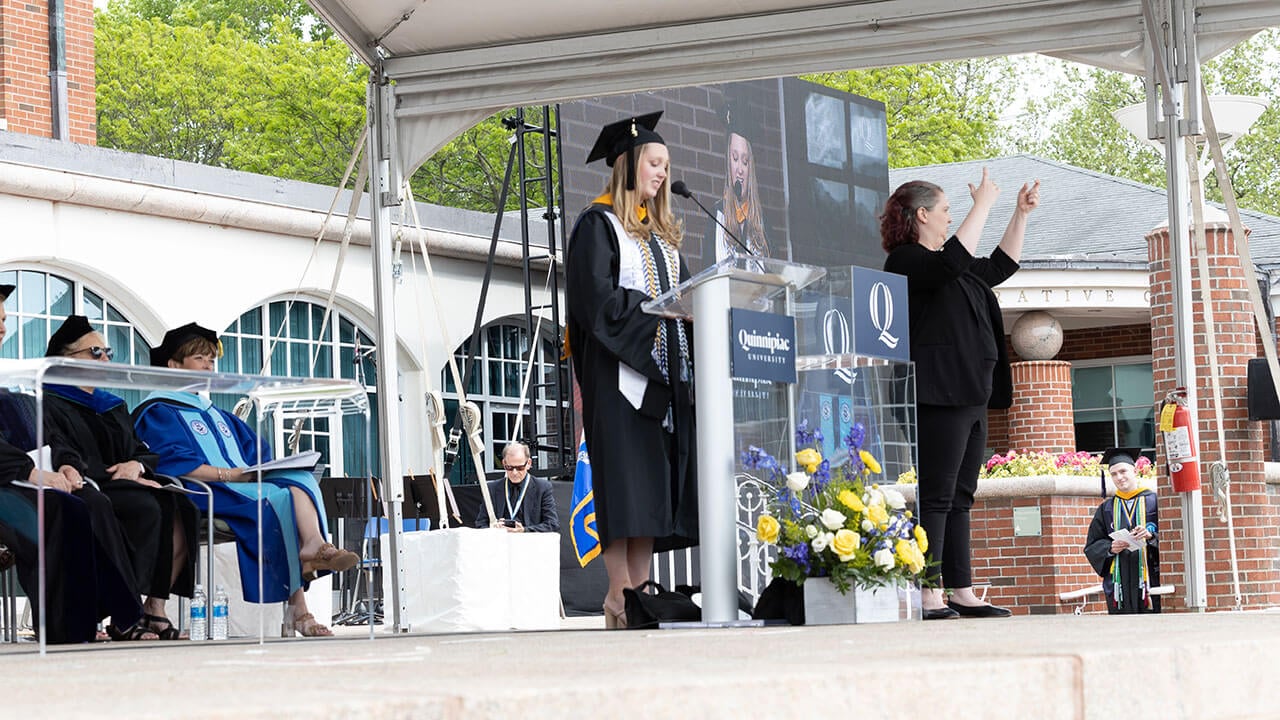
1216 665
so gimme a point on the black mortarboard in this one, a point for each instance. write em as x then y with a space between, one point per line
6 291
71 330
624 136
1117 456
161 354
738 119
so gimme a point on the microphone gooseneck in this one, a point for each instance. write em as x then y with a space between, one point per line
679 188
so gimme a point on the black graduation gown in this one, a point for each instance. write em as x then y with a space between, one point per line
88 574
1098 549
644 477
91 441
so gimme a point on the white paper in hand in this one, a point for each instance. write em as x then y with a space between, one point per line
301 461
1133 542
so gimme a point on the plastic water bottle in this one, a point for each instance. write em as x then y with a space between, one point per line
220 614
199 618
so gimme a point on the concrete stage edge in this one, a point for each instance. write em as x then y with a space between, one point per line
1217 665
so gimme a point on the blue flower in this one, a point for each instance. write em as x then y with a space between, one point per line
804 438
756 458
798 554
854 438
818 481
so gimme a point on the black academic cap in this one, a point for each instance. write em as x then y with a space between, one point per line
6 291
1117 456
623 135
161 354
71 330
738 118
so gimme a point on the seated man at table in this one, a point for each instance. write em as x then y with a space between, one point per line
522 502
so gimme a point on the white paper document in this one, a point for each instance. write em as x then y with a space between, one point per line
1133 542
302 461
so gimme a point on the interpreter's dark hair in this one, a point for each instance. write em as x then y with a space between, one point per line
898 221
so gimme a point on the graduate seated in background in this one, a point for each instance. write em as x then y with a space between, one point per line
522 502
193 438
97 441
88 575
1122 541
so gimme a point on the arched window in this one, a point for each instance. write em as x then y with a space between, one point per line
302 349
495 386
43 300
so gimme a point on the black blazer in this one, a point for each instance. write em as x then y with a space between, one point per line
537 513
957 332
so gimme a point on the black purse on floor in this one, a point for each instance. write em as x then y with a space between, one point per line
647 610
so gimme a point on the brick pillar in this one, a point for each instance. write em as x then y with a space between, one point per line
24 69
1041 417
1255 518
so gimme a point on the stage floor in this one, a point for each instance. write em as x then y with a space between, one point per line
1215 665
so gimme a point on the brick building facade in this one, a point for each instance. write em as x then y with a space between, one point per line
25 105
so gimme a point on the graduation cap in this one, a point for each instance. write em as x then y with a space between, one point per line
175 338
1117 456
739 120
6 291
624 136
71 330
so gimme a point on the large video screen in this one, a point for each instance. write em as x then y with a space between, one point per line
794 170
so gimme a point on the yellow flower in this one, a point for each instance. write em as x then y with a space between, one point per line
845 544
909 555
767 529
869 461
922 538
878 515
851 500
809 459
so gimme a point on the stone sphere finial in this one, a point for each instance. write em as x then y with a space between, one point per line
1036 335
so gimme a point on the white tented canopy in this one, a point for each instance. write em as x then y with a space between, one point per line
439 66
454 63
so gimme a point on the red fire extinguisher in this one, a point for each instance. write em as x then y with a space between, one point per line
1179 442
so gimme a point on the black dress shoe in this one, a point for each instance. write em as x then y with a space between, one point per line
978 611
944 613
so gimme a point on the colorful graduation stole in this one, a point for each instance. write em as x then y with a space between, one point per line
1134 510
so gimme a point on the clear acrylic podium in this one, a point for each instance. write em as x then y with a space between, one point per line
836 385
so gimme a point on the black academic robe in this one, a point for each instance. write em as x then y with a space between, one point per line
1098 549
88 573
645 478
94 437
536 511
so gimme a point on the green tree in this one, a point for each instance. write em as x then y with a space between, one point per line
938 113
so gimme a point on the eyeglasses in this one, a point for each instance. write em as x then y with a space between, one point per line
510 468
96 351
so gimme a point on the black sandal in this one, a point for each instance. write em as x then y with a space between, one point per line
135 631
162 626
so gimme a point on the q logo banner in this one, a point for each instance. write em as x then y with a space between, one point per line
880 326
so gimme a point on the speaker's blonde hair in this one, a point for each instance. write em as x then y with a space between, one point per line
625 203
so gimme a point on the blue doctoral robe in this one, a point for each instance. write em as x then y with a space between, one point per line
187 431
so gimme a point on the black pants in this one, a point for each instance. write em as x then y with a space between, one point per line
952 441
147 517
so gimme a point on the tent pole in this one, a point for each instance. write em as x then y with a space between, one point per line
1177 67
382 195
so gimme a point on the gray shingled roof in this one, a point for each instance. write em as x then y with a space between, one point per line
1084 215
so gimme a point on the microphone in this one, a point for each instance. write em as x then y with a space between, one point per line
679 188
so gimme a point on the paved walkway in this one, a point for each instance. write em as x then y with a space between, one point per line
1218 665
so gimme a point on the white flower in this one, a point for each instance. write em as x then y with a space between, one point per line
868 526
873 497
833 519
797 481
884 558
821 542
811 531
894 499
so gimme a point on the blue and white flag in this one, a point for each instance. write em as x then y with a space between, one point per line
582 520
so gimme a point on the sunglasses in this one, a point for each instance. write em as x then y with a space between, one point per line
95 351
510 468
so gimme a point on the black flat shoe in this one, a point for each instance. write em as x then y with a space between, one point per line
944 613
979 611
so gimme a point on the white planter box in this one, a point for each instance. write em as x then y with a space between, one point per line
824 605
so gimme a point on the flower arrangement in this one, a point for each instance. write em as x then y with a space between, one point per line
833 522
1014 464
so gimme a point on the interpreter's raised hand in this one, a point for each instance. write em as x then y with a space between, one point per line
1029 197
55 480
986 192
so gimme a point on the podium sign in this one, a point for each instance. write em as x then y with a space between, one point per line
763 346
880 318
